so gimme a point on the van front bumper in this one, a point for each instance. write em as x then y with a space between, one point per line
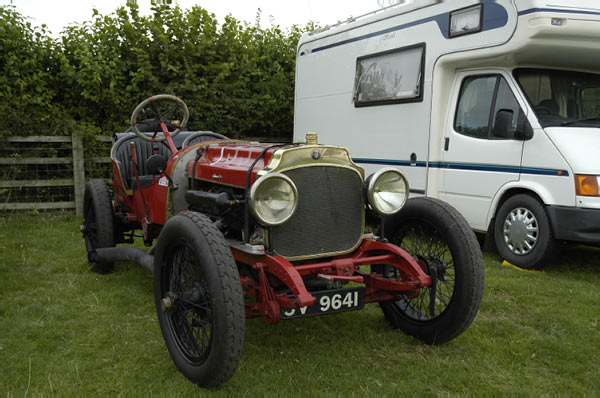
575 224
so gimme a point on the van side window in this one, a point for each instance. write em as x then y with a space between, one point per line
390 77
479 96
590 99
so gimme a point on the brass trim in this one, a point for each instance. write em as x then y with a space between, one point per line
286 159
312 139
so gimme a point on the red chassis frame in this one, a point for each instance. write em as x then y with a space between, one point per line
148 205
268 304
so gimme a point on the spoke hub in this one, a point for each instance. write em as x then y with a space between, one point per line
439 267
167 303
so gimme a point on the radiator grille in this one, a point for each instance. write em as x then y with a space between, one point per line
329 218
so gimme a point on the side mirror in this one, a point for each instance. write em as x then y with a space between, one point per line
503 124
156 164
524 131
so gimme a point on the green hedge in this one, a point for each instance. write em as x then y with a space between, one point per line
237 79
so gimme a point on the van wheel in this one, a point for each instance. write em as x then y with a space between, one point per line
442 242
523 233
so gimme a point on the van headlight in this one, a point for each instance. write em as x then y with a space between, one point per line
387 191
273 199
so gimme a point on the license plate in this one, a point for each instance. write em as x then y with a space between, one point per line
329 302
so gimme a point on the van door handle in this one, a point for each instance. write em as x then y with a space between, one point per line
446 143
413 159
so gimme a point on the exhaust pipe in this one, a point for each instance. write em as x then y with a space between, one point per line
126 253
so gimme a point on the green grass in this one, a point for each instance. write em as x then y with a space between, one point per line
67 331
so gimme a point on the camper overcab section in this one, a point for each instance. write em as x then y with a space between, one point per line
492 106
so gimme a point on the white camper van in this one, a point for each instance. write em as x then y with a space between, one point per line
492 106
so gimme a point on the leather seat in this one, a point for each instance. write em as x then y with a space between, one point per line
143 150
550 105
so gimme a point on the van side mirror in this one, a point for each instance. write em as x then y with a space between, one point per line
524 131
503 124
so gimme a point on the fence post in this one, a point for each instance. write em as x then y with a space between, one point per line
78 172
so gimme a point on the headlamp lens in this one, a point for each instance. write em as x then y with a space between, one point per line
388 191
273 199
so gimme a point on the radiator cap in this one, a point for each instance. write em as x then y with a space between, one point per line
312 139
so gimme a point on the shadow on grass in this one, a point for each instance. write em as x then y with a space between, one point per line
579 258
576 263
572 259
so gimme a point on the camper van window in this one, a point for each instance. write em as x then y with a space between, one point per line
390 77
560 97
466 20
479 95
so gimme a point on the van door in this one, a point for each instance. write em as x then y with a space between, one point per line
479 153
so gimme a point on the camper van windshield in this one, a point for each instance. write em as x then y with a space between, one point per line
562 98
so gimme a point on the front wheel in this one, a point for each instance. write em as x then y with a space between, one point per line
443 244
522 233
199 299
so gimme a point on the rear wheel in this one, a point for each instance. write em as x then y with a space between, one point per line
443 244
523 234
199 299
98 222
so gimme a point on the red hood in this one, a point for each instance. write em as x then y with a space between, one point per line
228 162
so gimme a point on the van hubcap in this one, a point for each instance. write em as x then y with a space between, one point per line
520 231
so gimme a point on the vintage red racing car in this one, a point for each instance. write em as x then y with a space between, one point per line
277 231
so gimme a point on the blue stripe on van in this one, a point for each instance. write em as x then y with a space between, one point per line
467 166
494 17
562 11
390 162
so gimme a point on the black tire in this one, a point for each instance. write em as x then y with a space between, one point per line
199 299
527 243
439 239
98 222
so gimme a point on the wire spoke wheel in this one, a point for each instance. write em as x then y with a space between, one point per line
199 299
190 318
432 253
445 247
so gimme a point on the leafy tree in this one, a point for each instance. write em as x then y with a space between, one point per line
29 61
237 79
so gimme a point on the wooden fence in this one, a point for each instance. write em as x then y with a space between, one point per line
76 180
72 176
